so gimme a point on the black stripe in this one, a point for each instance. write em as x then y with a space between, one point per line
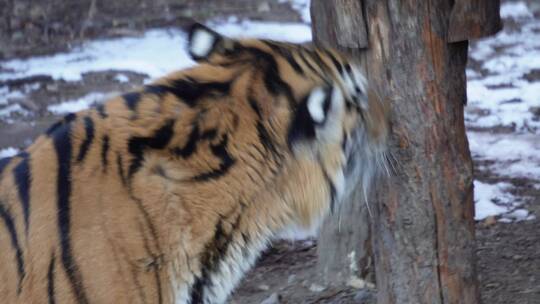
272 80
302 126
101 111
10 225
267 63
318 59
63 147
266 140
132 99
105 152
159 90
220 151
66 120
336 63
137 145
196 296
54 127
327 101
21 174
189 90
255 106
194 137
302 56
262 131
287 54
348 68
70 117
214 252
85 146
4 162
191 144
50 280
120 165
292 61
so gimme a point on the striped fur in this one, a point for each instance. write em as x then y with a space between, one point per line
168 194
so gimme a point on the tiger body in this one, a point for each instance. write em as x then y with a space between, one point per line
169 194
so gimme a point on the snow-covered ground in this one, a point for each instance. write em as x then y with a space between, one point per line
111 54
500 92
76 105
8 152
504 92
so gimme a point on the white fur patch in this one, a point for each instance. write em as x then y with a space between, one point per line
355 84
237 260
315 105
360 84
332 129
339 183
349 84
201 43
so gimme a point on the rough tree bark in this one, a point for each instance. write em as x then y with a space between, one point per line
423 225
344 247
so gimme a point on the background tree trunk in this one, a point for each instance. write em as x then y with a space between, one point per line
423 226
344 246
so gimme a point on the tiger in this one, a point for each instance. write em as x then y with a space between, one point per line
170 193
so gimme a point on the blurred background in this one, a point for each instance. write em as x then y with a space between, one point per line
62 56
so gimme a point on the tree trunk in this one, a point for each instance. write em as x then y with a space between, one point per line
423 225
344 246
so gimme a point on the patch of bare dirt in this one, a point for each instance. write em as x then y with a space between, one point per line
20 130
286 274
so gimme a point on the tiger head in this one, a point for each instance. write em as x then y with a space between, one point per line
312 102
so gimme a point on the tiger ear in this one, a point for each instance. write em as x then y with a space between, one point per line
202 41
317 103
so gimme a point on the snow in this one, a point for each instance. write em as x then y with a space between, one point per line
519 55
518 215
491 200
499 94
121 78
515 10
8 152
155 53
6 112
169 45
6 94
76 105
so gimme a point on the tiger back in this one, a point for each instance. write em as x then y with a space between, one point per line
169 193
